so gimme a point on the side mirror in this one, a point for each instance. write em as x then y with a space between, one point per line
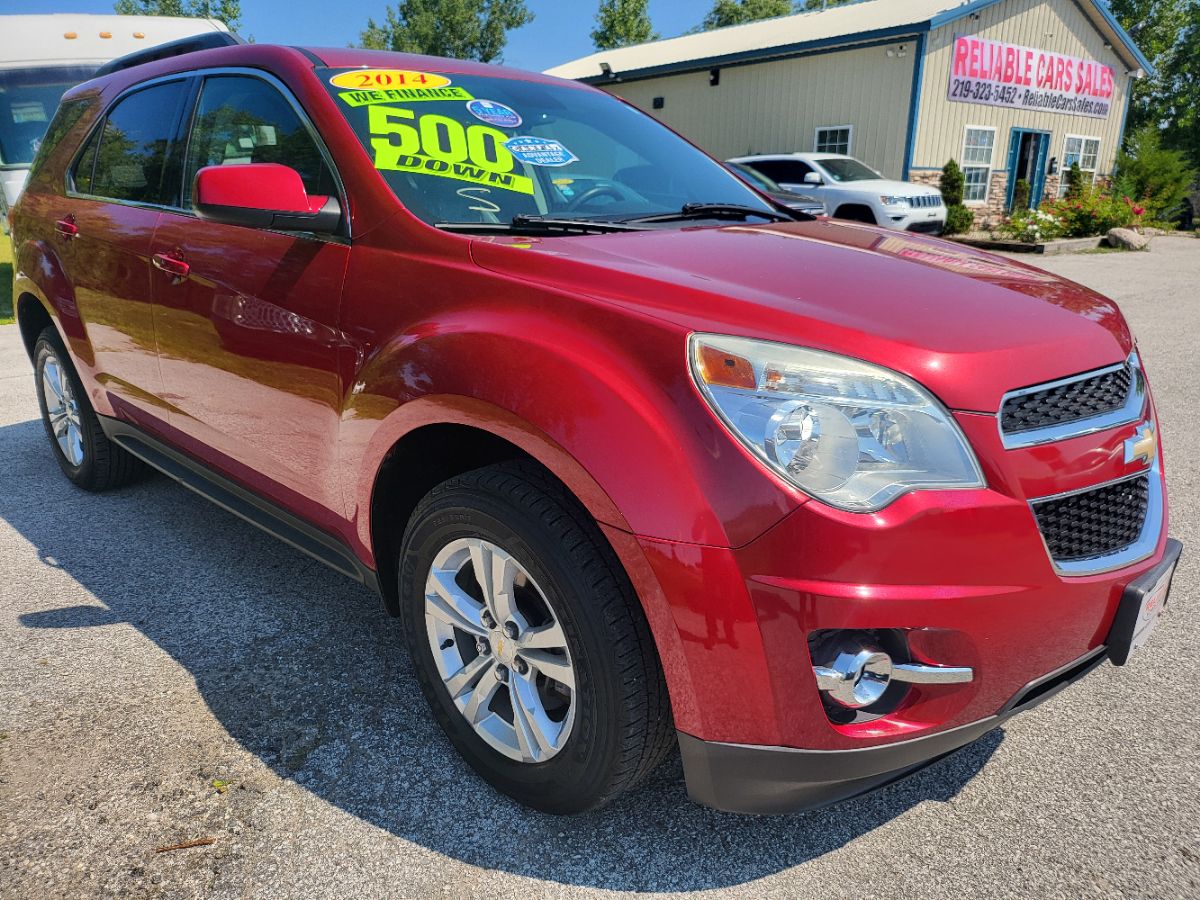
262 195
813 178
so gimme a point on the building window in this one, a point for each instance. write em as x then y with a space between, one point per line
1082 150
833 139
978 147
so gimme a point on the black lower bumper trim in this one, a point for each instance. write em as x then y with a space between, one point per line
744 778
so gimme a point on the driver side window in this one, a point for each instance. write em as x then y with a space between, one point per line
242 119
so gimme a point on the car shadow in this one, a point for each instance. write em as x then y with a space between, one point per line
304 669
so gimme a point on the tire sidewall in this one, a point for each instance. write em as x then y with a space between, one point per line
578 768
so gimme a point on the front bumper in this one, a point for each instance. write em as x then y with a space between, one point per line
773 780
770 780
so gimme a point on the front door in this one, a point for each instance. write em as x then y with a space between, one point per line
247 322
1027 151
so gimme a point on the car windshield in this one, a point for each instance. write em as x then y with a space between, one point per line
478 149
843 168
28 99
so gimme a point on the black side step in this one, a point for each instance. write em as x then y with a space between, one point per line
234 498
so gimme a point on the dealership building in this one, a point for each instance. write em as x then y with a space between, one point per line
1011 89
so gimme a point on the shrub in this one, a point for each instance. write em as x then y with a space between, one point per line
951 184
1155 178
959 219
1090 212
1032 226
1074 180
1020 195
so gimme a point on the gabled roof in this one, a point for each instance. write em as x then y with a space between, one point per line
840 25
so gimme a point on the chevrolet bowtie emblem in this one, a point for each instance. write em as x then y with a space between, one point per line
1143 445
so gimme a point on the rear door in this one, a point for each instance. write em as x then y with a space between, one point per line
126 173
246 318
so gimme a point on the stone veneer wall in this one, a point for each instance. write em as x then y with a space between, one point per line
988 214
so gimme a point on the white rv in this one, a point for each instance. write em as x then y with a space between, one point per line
43 56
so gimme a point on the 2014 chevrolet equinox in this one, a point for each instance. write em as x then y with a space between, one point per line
639 458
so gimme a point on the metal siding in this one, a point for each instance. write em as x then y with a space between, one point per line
775 107
1059 26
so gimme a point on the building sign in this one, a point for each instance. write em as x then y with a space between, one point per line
1000 74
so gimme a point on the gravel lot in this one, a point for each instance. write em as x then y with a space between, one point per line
169 673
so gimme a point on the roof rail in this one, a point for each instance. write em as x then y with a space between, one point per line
206 41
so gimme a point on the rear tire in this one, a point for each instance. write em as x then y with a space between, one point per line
84 453
614 721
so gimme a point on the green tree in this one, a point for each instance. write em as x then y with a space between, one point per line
959 219
461 29
227 11
1157 27
1151 175
822 4
737 12
1182 126
620 23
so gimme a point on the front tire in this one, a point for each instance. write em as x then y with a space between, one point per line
84 453
529 642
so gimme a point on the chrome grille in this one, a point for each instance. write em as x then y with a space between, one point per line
925 201
1074 406
1094 523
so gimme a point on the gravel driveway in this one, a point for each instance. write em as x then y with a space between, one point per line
170 674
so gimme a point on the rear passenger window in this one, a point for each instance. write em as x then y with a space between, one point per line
81 175
241 119
133 157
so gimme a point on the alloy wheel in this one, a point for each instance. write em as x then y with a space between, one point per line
62 410
500 650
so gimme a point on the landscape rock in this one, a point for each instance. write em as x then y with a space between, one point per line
1127 239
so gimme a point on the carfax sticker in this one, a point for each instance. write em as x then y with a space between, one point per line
540 151
395 86
494 113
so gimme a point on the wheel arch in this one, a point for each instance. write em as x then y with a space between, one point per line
856 212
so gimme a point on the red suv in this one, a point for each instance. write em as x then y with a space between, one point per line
641 459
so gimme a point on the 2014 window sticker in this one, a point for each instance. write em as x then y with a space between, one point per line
494 113
371 86
540 151
437 145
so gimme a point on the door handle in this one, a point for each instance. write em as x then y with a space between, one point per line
177 268
66 228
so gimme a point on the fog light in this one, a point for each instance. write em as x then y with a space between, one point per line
857 677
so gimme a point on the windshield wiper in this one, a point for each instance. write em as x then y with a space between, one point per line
526 224
715 211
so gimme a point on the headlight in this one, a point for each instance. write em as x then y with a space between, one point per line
893 201
849 433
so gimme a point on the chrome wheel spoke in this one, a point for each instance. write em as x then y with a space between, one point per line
548 637
452 604
530 721
485 689
74 441
465 678
555 667
496 572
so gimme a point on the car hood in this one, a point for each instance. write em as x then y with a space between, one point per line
968 325
886 186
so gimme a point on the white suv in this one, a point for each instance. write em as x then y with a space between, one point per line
853 190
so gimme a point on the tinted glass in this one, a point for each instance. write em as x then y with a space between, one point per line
134 151
847 169
246 120
28 99
755 178
783 171
81 175
474 149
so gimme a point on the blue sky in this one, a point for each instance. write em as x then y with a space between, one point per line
558 33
